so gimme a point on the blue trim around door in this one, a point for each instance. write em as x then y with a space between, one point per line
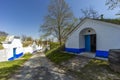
87 43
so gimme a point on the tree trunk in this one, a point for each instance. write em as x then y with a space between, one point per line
60 42
59 30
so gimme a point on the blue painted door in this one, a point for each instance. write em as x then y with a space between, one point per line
14 52
87 43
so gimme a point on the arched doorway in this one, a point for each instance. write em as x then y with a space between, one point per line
90 39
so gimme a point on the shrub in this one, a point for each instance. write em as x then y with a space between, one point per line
27 43
53 45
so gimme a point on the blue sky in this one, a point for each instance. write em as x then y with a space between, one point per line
24 17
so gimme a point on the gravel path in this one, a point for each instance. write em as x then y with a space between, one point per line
40 68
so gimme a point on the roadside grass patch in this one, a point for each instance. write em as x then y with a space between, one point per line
97 70
57 56
8 68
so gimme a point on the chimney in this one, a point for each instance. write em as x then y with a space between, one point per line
101 16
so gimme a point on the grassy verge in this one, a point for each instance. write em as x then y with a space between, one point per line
9 67
57 56
97 70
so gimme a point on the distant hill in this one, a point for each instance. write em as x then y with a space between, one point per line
2 33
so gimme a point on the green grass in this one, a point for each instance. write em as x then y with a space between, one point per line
57 56
9 67
97 70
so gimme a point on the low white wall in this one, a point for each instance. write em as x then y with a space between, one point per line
31 49
7 53
27 49
3 55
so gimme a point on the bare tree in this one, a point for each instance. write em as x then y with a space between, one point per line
23 37
89 13
58 19
113 4
26 38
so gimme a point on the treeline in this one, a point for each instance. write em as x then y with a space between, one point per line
2 33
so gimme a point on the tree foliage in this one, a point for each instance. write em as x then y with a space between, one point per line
58 20
26 38
2 33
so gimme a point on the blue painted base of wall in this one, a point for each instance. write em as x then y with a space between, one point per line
99 53
10 59
19 55
103 54
16 56
73 50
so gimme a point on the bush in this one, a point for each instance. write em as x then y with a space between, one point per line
57 56
1 47
27 43
53 45
2 38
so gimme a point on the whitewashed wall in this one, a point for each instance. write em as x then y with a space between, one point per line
3 55
31 49
27 49
8 52
108 35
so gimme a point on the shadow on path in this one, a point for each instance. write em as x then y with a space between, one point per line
40 68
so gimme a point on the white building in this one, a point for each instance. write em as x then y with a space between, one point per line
13 47
94 36
32 48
